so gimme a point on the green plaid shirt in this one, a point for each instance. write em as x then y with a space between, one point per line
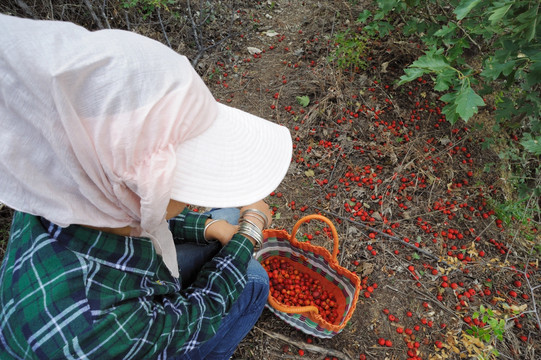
78 293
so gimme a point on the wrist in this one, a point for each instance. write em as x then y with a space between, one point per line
219 230
251 225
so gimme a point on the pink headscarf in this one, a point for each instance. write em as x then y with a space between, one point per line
92 124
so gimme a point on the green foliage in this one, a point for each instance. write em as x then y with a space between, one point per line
506 31
350 50
511 212
478 49
494 329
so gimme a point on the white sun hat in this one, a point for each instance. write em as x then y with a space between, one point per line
105 128
238 160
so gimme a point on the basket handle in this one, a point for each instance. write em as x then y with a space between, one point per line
292 309
325 220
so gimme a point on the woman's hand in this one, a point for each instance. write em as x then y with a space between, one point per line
221 231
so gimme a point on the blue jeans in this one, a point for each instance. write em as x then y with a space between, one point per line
244 312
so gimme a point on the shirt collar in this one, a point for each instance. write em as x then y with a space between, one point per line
125 253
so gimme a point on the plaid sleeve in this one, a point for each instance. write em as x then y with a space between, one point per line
188 226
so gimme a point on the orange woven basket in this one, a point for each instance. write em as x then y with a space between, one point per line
321 265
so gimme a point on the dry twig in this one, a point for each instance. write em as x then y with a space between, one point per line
424 252
308 347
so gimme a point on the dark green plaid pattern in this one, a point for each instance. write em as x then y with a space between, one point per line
78 293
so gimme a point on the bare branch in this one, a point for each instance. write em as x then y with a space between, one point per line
385 235
103 13
163 28
93 14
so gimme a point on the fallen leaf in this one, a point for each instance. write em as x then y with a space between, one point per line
253 50
368 268
515 308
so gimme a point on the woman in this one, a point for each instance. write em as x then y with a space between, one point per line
106 137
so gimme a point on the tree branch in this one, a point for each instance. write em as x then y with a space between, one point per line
93 14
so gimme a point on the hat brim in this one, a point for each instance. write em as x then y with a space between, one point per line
238 160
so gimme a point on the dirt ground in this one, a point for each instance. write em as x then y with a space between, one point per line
408 192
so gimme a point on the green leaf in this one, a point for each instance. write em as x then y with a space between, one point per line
493 69
445 30
384 28
411 74
432 60
467 102
464 8
449 97
444 80
499 13
413 26
534 75
455 53
416 256
364 16
387 5
303 100
532 145
450 113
